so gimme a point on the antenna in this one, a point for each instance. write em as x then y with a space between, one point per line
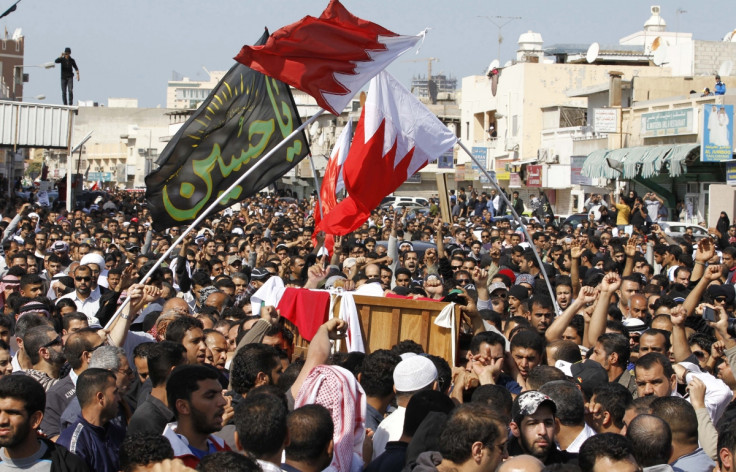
724 70
500 25
592 53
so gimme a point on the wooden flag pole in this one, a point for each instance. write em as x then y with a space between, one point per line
212 206
518 219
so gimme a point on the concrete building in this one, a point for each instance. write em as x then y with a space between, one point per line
188 94
124 144
533 121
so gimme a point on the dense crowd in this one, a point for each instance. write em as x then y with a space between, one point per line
625 366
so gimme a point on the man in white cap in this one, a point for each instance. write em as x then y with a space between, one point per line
412 375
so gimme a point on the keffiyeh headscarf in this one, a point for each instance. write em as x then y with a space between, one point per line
337 390
9 282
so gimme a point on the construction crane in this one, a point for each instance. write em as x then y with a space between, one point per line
429 65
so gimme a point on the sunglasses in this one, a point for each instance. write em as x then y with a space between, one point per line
83 279
462 281
53 342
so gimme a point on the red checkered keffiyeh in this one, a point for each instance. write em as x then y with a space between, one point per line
337 390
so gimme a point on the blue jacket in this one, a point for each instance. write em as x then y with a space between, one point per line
720 88
98 446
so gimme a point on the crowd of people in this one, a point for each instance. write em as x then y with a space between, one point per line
626 365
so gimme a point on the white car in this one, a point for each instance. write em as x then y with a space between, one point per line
677 229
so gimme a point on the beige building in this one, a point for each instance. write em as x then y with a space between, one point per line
188 94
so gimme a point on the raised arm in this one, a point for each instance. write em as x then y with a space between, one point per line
558 326
610 283
319 349
630 250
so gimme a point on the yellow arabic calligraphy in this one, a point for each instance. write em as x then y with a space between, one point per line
262 131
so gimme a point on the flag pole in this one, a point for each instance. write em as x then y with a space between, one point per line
518 219
212 207
317 185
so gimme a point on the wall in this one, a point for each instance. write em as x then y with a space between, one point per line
722 198
709 55
669 88
523 90
107 147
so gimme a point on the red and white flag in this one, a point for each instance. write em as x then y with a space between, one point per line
395 137
332 182
331 57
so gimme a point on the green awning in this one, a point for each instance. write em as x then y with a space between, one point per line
647 161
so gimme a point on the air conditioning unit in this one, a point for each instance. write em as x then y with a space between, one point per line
547 156
552 158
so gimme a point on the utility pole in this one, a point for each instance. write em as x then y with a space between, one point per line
505 20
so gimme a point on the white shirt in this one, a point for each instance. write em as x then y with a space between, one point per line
268 466
574 446
717 394
90 306
390 429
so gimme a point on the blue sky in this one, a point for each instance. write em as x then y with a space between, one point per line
129 49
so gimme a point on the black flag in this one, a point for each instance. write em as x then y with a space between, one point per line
244 117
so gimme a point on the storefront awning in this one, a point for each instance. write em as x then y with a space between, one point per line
646 161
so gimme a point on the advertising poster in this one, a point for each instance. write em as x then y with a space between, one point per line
717 143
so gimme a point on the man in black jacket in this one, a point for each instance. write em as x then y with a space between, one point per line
68 66
22 402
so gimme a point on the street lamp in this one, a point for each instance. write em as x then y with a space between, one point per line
19 77
37 97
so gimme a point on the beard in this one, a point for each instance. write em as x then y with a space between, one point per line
202 423
536 451
17 436
56 357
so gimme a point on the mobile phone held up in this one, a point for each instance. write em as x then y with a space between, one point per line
709 314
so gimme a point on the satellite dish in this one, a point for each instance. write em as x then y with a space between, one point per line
725 68
656 43
494 65
730 36
592 53
314 129
660 55
17 34
507 64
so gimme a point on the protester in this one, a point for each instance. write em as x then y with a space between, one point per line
634 301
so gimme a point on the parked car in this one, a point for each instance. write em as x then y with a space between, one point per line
677 229
575 220
394 200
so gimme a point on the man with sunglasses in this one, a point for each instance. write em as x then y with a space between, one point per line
78 351
86 299
44 348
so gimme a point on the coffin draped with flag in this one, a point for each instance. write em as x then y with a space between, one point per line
244 117
395 137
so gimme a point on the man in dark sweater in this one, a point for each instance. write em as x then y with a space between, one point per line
68 66
154 413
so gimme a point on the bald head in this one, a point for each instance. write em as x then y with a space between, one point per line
217 300
372 271
522 463
651 439
177 304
